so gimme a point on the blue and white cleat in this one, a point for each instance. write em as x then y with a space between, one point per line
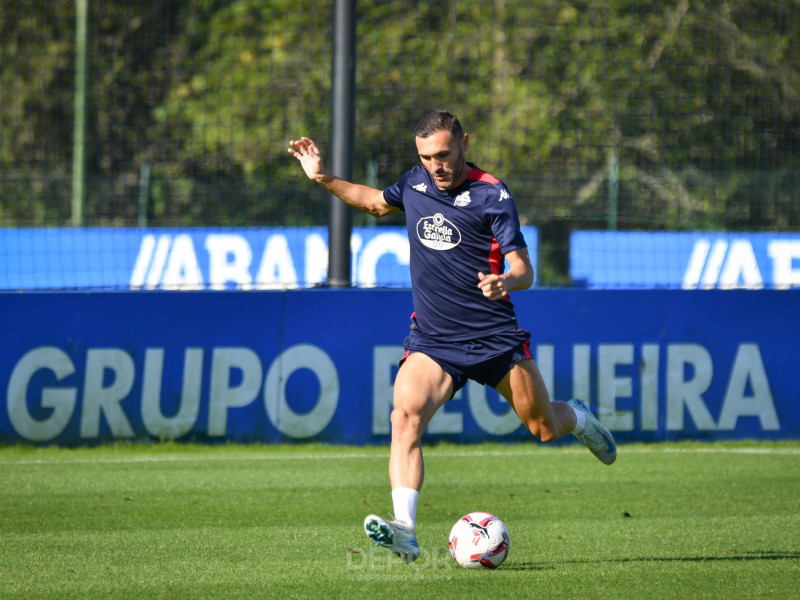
396 536
595 437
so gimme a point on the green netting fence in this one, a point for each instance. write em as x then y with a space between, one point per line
623 114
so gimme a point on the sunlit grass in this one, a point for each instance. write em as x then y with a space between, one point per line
191 521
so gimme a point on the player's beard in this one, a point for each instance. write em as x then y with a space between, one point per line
456 176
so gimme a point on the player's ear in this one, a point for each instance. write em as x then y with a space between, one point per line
465 142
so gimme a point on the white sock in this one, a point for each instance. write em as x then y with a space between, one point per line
405 505
580 421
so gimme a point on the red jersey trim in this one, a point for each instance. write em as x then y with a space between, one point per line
477 175
496 260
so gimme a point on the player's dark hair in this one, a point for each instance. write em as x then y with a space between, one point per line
438 120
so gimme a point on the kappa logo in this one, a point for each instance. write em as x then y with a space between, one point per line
462 199
504 195
421 187
438 233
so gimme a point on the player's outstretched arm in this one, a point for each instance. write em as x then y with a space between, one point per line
358 196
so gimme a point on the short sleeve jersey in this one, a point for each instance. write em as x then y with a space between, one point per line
453 235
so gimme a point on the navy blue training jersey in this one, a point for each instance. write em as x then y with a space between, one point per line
453 235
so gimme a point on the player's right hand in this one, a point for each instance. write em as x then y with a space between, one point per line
306 151
493 286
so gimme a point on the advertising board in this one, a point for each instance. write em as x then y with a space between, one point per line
684 260
192 259
300 365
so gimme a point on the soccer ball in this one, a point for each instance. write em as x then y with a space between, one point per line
479 539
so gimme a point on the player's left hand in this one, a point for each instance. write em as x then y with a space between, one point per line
493 286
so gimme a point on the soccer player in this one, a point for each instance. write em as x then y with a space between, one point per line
462 223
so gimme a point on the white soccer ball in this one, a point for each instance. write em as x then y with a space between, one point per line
479 539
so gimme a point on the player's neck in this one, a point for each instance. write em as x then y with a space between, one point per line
462 176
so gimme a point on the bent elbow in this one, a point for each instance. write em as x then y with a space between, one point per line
377 211
381 209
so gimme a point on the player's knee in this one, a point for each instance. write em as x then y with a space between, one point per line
404 420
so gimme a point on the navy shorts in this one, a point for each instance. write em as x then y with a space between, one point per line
486 360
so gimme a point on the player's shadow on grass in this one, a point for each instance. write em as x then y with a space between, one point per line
743 556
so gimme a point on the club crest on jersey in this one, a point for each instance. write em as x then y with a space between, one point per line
462 199
438 233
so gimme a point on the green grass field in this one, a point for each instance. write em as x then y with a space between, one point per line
189 521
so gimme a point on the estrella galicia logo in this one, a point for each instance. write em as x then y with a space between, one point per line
438 233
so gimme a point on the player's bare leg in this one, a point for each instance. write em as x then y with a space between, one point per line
420 389
525 390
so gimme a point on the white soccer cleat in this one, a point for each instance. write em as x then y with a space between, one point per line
396 536
595 437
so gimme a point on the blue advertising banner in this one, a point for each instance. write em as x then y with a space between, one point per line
630 259
85 368
199 259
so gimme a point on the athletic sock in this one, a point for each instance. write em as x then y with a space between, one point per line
405 505
580 421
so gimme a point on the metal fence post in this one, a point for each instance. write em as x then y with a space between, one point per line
342 125
79 124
